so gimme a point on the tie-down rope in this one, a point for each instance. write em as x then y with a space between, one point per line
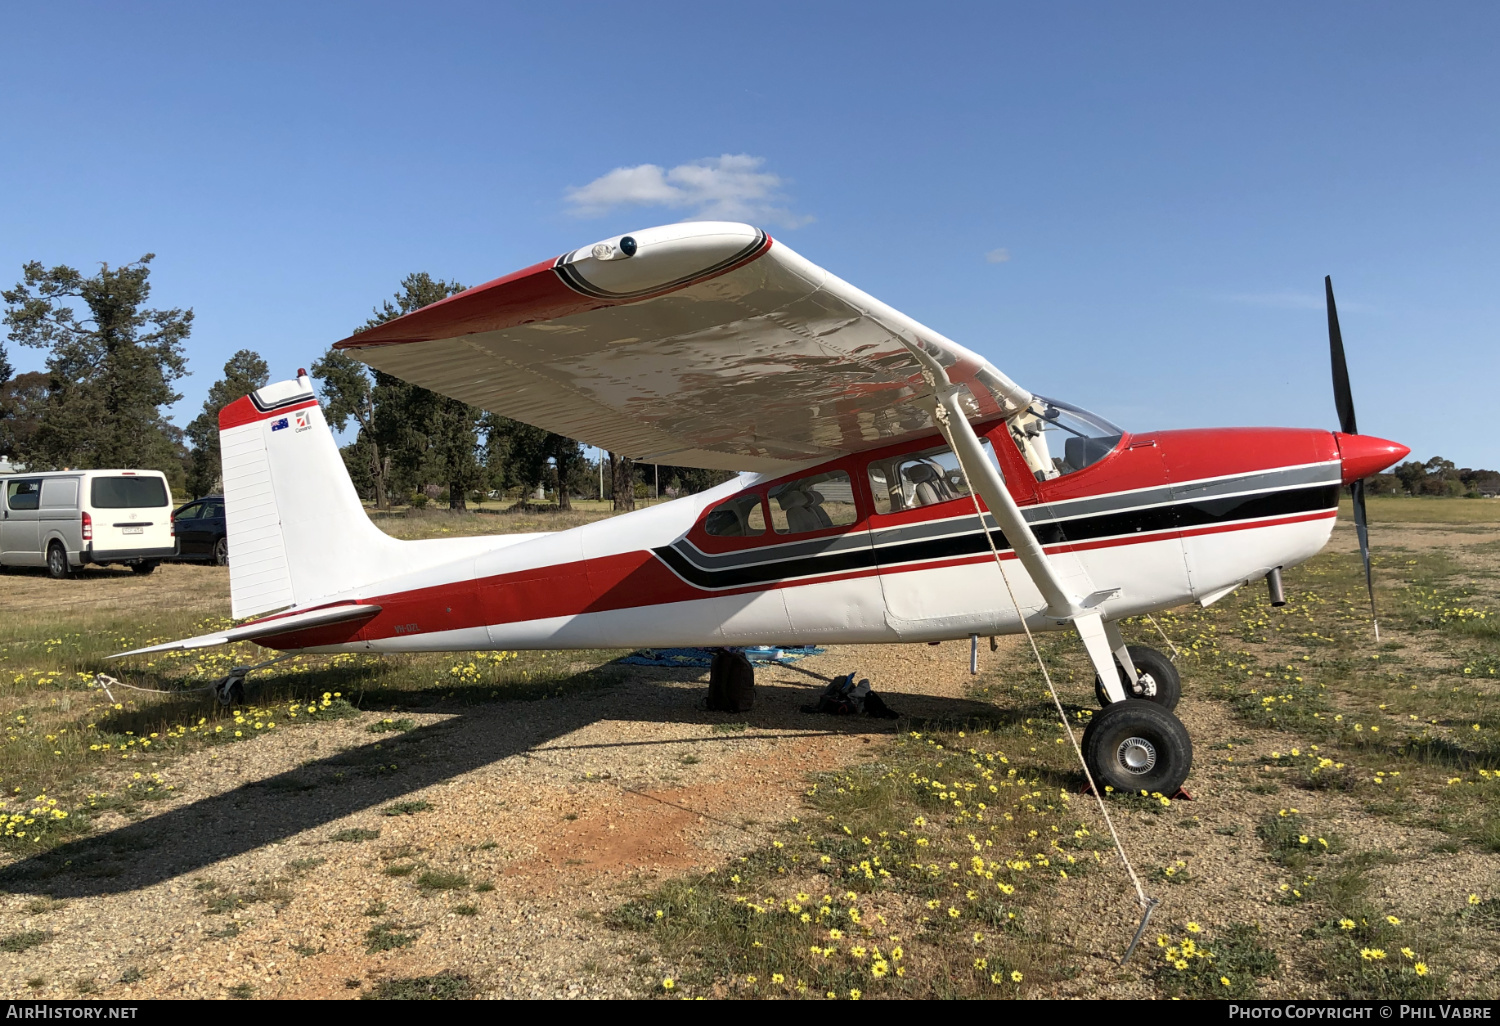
1148 904
105 682
1152 620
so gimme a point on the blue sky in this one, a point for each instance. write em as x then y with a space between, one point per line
1167 183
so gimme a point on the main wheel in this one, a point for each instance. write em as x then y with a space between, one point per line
57 562
1159 679
221 552
144 567
1138 746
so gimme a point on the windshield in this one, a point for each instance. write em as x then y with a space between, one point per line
1056 438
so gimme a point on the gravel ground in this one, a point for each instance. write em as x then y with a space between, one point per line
551 811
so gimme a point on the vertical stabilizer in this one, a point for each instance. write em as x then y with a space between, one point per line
297 531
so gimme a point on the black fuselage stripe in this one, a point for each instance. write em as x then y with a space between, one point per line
578 283
1200 513
279 404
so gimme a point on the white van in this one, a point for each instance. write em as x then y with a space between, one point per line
64 519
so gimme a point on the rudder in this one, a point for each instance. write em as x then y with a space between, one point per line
296 528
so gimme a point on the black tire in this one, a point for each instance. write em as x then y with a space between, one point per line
1159 680
57 562
221 552
144 567
235 694
1138 746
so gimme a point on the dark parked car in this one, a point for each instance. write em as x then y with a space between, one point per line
201 532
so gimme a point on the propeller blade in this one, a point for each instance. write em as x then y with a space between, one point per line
1343 399
1362 530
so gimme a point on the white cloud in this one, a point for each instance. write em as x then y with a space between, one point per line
731 187
997 256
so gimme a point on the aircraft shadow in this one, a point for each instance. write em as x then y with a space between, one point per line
194 836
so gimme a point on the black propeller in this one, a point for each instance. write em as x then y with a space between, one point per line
1343 400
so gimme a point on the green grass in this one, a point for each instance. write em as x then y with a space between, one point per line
445 986
220 900
1397 509
24 940
440 880
387 937
1199 964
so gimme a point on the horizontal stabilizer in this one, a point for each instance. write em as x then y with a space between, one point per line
271 625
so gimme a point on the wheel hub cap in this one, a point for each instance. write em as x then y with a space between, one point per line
1137 755
1146 685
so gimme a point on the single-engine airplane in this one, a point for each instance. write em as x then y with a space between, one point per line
888 478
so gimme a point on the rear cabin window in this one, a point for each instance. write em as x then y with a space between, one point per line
127 492
59 492
813 503
23 494
912 480
740 517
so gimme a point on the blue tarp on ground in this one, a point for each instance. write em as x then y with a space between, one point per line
759 655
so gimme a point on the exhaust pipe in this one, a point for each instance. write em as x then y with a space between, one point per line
1273 582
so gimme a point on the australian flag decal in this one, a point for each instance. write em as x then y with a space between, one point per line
278 425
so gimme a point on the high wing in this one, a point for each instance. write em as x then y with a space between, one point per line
701 344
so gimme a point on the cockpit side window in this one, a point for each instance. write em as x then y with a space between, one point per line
740 517
813 503
911 480
1056 439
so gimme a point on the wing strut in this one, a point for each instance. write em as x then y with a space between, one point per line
1062 605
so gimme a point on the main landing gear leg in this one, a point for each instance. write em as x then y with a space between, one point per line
1146 673
1117 645
1096 641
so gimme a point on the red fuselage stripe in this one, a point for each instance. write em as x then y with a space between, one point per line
624 581
243 411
